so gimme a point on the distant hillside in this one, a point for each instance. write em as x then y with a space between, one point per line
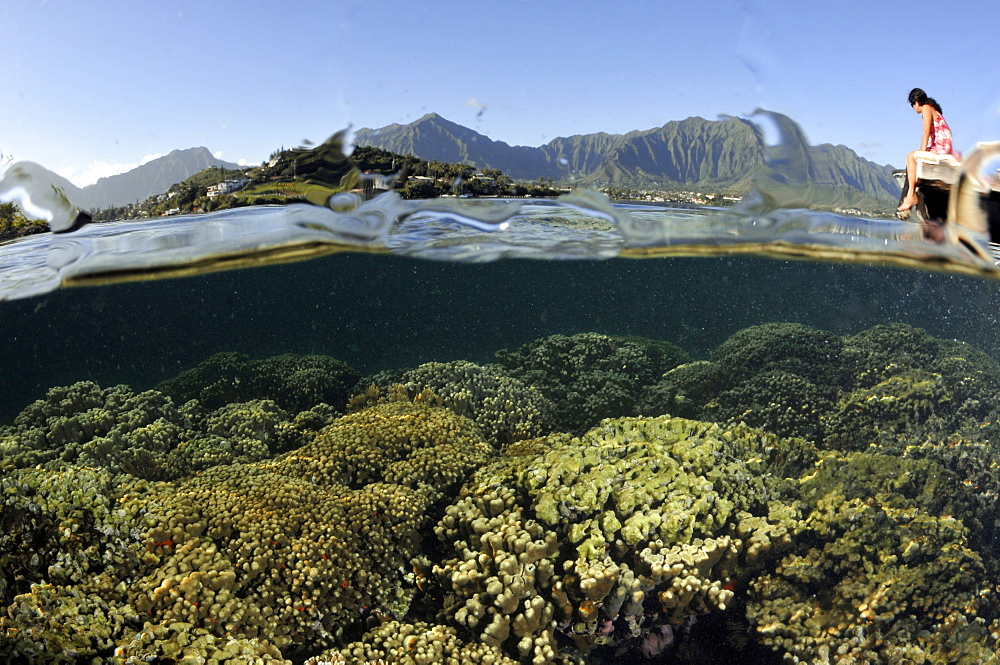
716 155
152 178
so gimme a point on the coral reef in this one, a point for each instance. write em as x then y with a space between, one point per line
67 544
589 377
412 445
775 400
295 383
891 386
884 573
812 498
504 408
181 642
238 558
419 643
289 550
815 355
683 391
602 539
146 435
88 425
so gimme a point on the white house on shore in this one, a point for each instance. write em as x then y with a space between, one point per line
227 186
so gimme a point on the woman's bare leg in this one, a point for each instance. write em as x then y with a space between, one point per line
910 199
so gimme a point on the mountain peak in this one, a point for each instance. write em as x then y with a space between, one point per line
190 151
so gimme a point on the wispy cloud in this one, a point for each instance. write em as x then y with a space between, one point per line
97 170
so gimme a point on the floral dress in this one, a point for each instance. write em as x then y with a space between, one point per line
940 140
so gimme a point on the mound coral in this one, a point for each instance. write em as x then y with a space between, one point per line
67 543
295 383
418 643
812 354
504 408
589 377
290 550
115 428
146 435
251 523
248 558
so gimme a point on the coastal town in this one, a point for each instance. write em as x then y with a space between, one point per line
300 175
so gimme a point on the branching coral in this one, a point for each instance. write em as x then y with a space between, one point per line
603 538
884 574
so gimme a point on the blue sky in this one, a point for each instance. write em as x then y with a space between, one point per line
94 88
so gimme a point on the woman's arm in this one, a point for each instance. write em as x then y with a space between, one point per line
928 114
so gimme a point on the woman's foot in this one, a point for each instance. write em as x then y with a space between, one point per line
908 202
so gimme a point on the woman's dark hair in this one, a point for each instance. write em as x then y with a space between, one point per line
918 96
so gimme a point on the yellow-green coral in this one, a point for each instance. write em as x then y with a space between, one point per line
412 445
115 428
186 644
186 540
813 354
289 550
418 644
146 435
504 408
602 538
883 572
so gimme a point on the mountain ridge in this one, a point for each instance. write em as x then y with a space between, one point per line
729 154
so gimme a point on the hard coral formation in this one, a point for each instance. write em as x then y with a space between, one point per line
891 386
68 545
290 550
683 391
237 561
417 446
418 644
775 400
54 624
236 518
85 424
503 407
295 383
249 551
146 435
602 539
589 377
882 572
185 643
813 354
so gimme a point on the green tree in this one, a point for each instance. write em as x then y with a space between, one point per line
13 223
419 189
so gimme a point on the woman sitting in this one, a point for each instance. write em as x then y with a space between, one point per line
935 139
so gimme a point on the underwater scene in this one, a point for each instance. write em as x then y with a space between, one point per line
359 428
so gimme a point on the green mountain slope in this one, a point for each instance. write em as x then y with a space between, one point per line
717 155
